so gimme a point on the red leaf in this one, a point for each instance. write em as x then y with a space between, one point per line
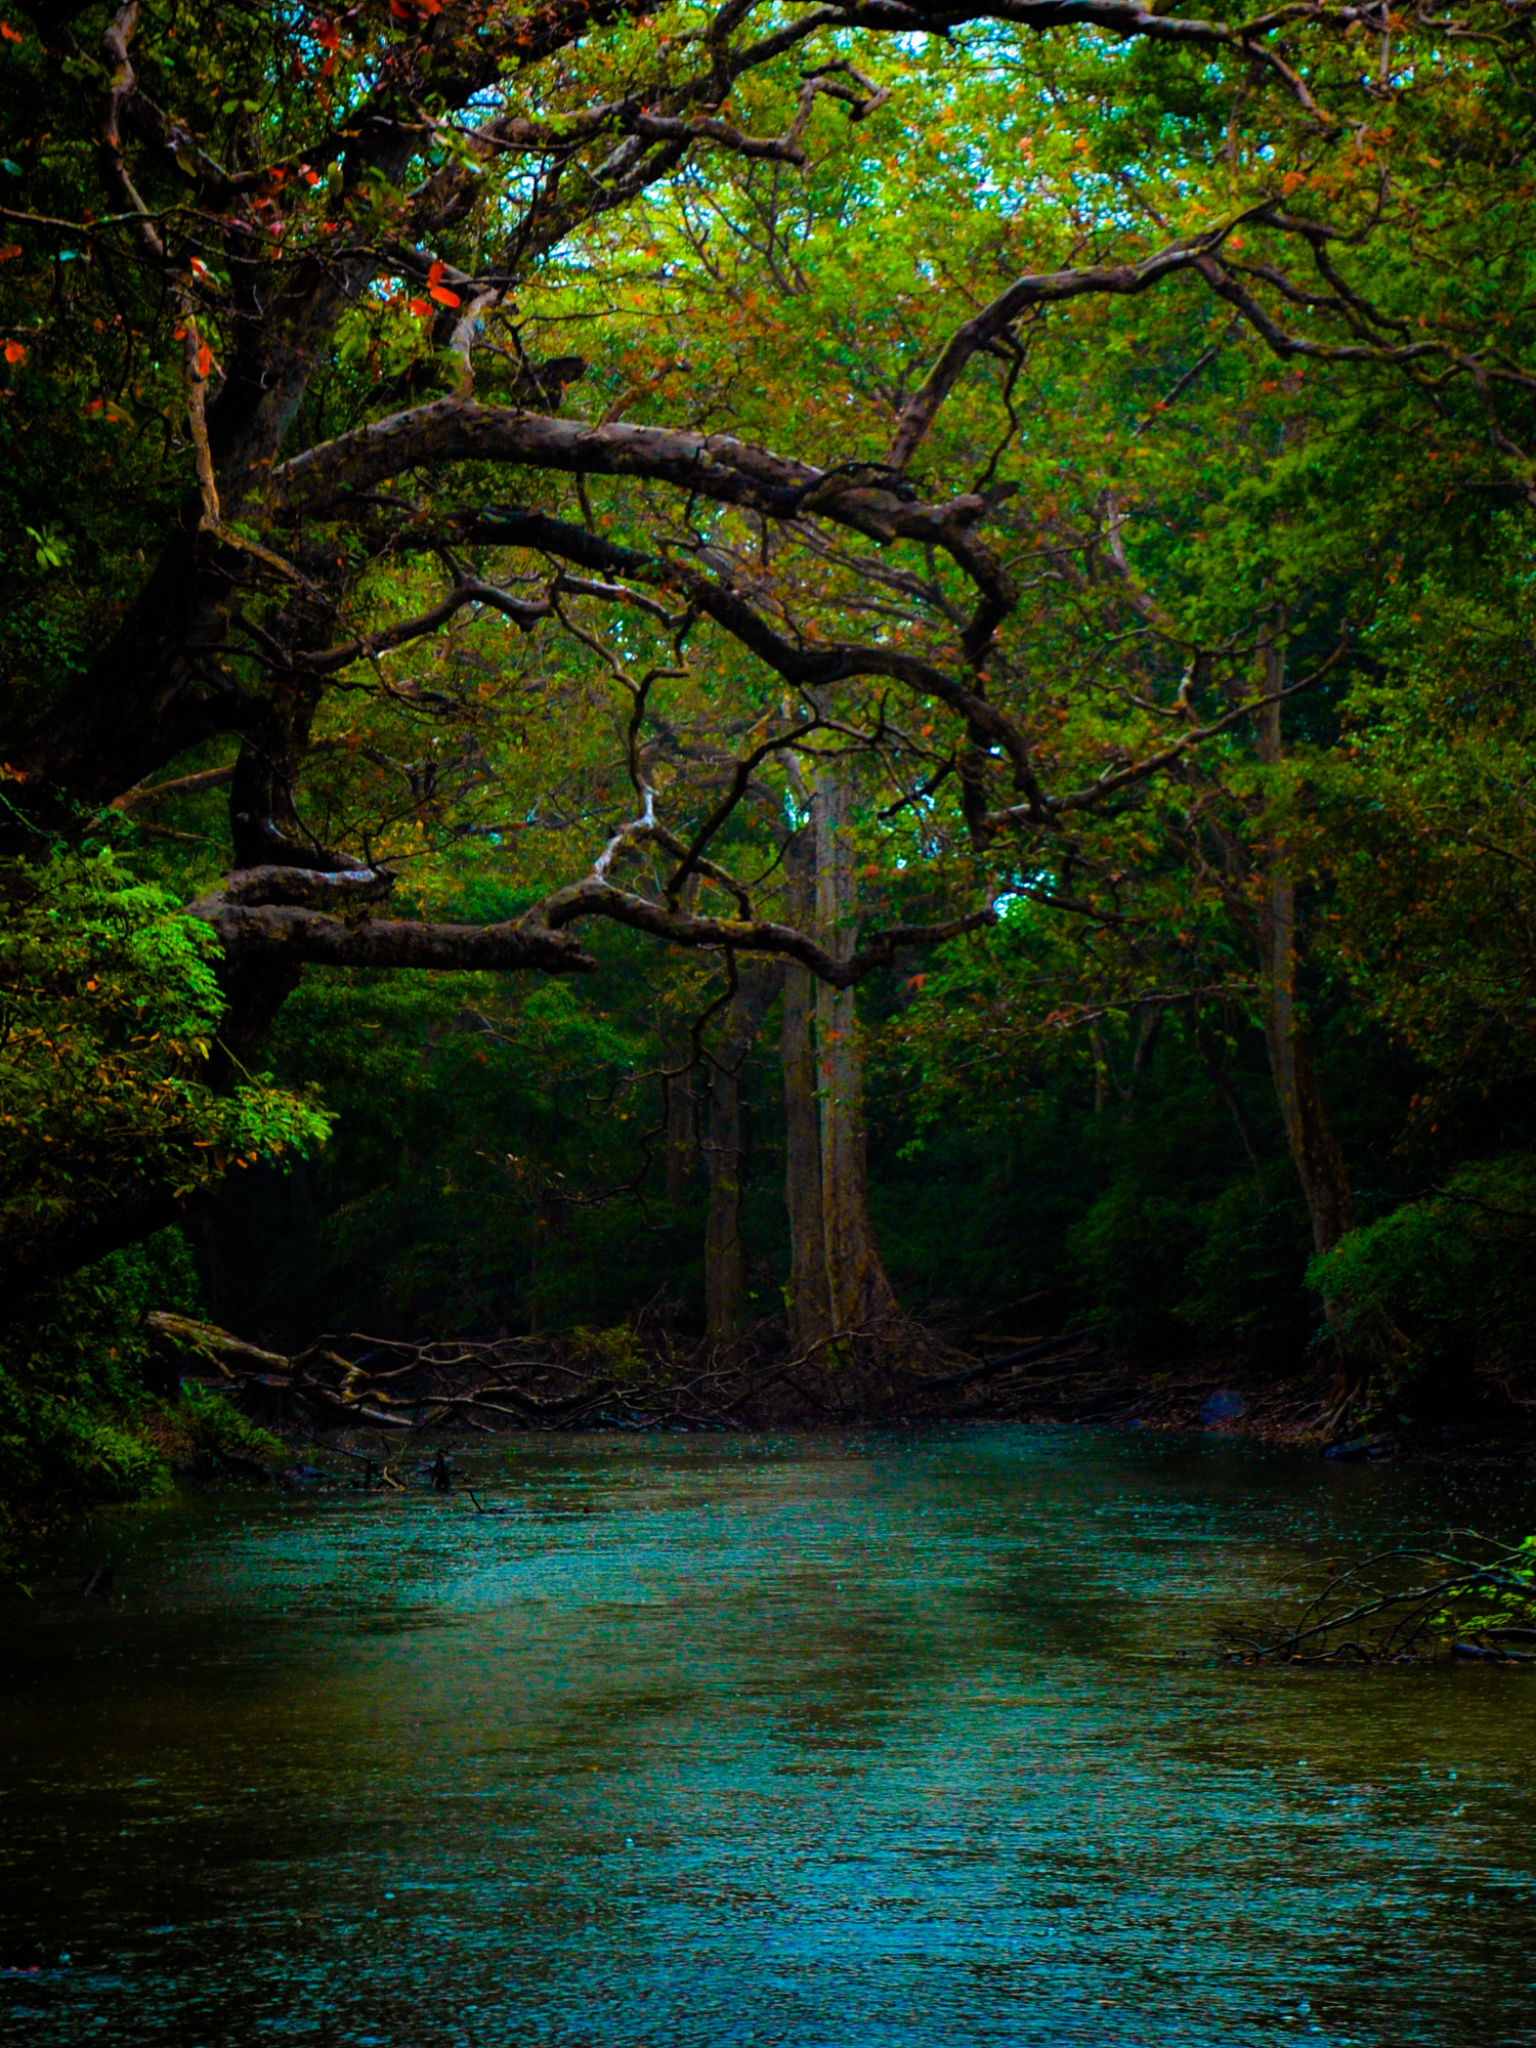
204 360
15 352
435 274
10 34
420 308
11 249
443 296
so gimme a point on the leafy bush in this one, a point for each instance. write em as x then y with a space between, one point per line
1454 1273
109 1005
89 1413
73 1400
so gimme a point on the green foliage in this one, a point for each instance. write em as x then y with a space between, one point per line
1169 495
90 1414
1453 1271
75 1415
486 1135
109 1009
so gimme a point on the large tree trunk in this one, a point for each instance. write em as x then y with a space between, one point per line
725 1251
810 1314
837 1282
1309 1136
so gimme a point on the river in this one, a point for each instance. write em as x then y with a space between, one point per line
858 1741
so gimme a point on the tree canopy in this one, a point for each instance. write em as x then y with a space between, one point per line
474 478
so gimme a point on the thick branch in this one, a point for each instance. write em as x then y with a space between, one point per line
312 938
143 794
714 466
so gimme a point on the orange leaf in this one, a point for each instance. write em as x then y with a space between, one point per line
10 34
204 360
443 296
15 352
11 249
420 308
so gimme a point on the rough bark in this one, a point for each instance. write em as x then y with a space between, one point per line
837 1281
809 1309
858 1291
289 932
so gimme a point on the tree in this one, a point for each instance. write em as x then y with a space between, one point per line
326 257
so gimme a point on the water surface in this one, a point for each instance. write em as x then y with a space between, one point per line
875 1741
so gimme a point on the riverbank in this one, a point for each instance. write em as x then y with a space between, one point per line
1488 1421
555 1385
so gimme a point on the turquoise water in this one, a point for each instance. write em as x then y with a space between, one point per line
872 1741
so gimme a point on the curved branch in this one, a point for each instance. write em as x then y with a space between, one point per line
595 897
713 466
1125 280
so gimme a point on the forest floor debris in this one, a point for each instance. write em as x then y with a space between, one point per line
631 1380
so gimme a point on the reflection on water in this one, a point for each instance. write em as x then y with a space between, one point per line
864 1742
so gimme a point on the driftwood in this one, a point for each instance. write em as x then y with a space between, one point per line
582 1380
1476 1601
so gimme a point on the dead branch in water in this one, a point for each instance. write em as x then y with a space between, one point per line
1478 1602
585 1379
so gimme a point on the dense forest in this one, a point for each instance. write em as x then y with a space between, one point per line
747 686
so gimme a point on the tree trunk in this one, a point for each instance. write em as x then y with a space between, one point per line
857 1287
837 1281
810 1314
725 1251
1313 1147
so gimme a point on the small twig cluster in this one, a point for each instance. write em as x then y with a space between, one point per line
1474 1598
